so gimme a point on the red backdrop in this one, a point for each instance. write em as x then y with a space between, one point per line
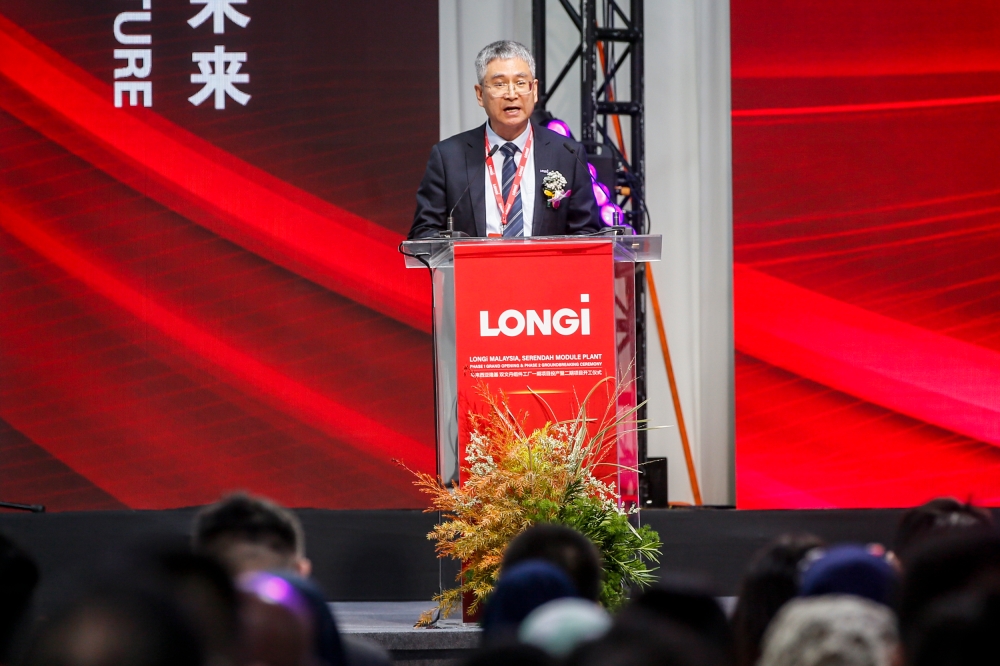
196 299
866 245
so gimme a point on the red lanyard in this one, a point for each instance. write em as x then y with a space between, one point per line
516 187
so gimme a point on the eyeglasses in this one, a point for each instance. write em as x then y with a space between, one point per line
520 87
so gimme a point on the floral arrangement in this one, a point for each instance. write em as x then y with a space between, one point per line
554 188
514 480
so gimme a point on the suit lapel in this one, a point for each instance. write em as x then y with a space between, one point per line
475 161
544 161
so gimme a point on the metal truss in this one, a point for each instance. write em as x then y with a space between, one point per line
611 43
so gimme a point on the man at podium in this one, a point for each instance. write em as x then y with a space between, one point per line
510 177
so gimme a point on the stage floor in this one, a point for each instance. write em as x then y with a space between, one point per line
390 624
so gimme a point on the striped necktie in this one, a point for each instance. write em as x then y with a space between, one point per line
515 218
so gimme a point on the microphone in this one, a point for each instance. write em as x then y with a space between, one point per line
451 220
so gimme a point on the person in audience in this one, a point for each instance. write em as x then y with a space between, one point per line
560 625
690 603
944 566
273 635
850 569
248 533
957 630
845 630
771 580
640 637
520 589
564 547
118 628
510 654
19 577
307 607
201 589
940 516
252 534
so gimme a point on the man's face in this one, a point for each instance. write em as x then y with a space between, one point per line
508 110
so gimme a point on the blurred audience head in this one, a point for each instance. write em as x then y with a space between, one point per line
564 547
522 588
957 630
248 533
943 515
839 630
771 580
559 626
639 637
117 629
686 602
202 591
850 569
18 579
950 564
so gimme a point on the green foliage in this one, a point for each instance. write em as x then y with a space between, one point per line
625 550
515 480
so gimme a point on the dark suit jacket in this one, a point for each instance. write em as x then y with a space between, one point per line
460 162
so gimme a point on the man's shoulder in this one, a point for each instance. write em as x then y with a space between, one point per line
458 142
544 134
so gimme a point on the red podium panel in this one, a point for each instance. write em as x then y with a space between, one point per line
539 319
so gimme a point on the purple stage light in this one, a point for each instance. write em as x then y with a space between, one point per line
601 194
273 589
593 172
608 211
559 127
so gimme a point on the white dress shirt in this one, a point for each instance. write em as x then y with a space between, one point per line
493 225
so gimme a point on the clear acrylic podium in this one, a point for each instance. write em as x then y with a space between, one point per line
546 270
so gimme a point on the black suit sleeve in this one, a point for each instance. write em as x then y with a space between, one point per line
432 199
582 216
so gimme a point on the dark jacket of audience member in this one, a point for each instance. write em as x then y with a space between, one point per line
957 630
18 578
640 637
118 628
328 644
770 581
688 603
945 566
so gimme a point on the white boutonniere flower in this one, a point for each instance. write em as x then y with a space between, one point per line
554 188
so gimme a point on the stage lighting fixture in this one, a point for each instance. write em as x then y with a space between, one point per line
593 171
559 127
601 193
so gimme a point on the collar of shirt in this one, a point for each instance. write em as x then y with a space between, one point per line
495 138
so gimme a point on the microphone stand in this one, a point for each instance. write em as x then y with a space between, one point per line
450 232
33 508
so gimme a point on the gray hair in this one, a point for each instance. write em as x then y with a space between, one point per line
831 629
502 50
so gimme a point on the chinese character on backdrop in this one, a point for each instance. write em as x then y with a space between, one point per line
219 70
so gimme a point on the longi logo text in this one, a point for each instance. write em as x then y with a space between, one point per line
565 321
